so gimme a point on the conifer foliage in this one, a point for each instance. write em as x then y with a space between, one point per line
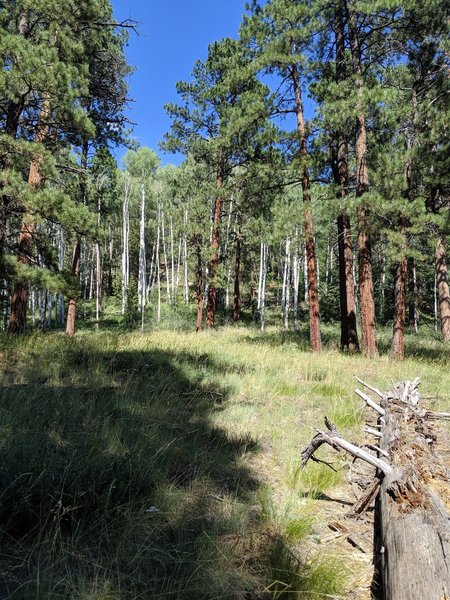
314 185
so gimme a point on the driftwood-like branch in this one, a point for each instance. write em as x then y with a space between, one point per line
336 441
408 484
369 387
370 402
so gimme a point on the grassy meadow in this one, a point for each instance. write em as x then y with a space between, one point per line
166 464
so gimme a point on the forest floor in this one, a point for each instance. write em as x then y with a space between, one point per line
167 464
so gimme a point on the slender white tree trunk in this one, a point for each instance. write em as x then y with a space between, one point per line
173 260
166 264
158 267
186 282
262 309
125 243
288 284
296 278
260 282
142 261
436 305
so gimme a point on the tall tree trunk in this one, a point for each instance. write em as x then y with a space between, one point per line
398 336
443 293
313 291
72 306
214 265
262 308
200 281
368 321
413 311
125 242
142 258
19 301
349 335
237 275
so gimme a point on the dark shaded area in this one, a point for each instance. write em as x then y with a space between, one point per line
119 486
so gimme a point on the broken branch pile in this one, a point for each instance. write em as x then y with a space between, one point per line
412 488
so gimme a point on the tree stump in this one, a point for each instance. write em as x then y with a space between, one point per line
413 488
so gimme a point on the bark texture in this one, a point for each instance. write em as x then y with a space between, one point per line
72 305
237 275
200 281
443 289
19 300
212 290
398 334
311 266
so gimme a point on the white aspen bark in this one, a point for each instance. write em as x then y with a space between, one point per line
166 265
33 306
436 305
158 266
288 284
186 282
296 277
305 272
97 282
173 260
125 243
177 280
261 259
327 266
150 279
227 291
142 262
262 310
283 290
91 270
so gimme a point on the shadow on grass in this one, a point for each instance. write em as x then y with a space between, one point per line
298 338
121 489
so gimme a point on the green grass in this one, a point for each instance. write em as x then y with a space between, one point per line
167 464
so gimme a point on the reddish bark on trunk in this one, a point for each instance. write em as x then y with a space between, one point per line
72 307
313 288
443 289
19 300
398 336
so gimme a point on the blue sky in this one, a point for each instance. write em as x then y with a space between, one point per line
172 36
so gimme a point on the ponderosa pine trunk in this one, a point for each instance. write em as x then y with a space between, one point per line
214 265
349 334
366 293
313 291
76 262
200 281
237 275
398 334
19 300
443 293
72 304
413 313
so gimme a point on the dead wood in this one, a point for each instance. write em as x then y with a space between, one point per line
412 482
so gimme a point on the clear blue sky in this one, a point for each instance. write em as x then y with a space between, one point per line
172 36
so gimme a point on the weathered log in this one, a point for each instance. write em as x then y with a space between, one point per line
413 487
414 521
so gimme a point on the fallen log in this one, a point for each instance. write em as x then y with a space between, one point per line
412 486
